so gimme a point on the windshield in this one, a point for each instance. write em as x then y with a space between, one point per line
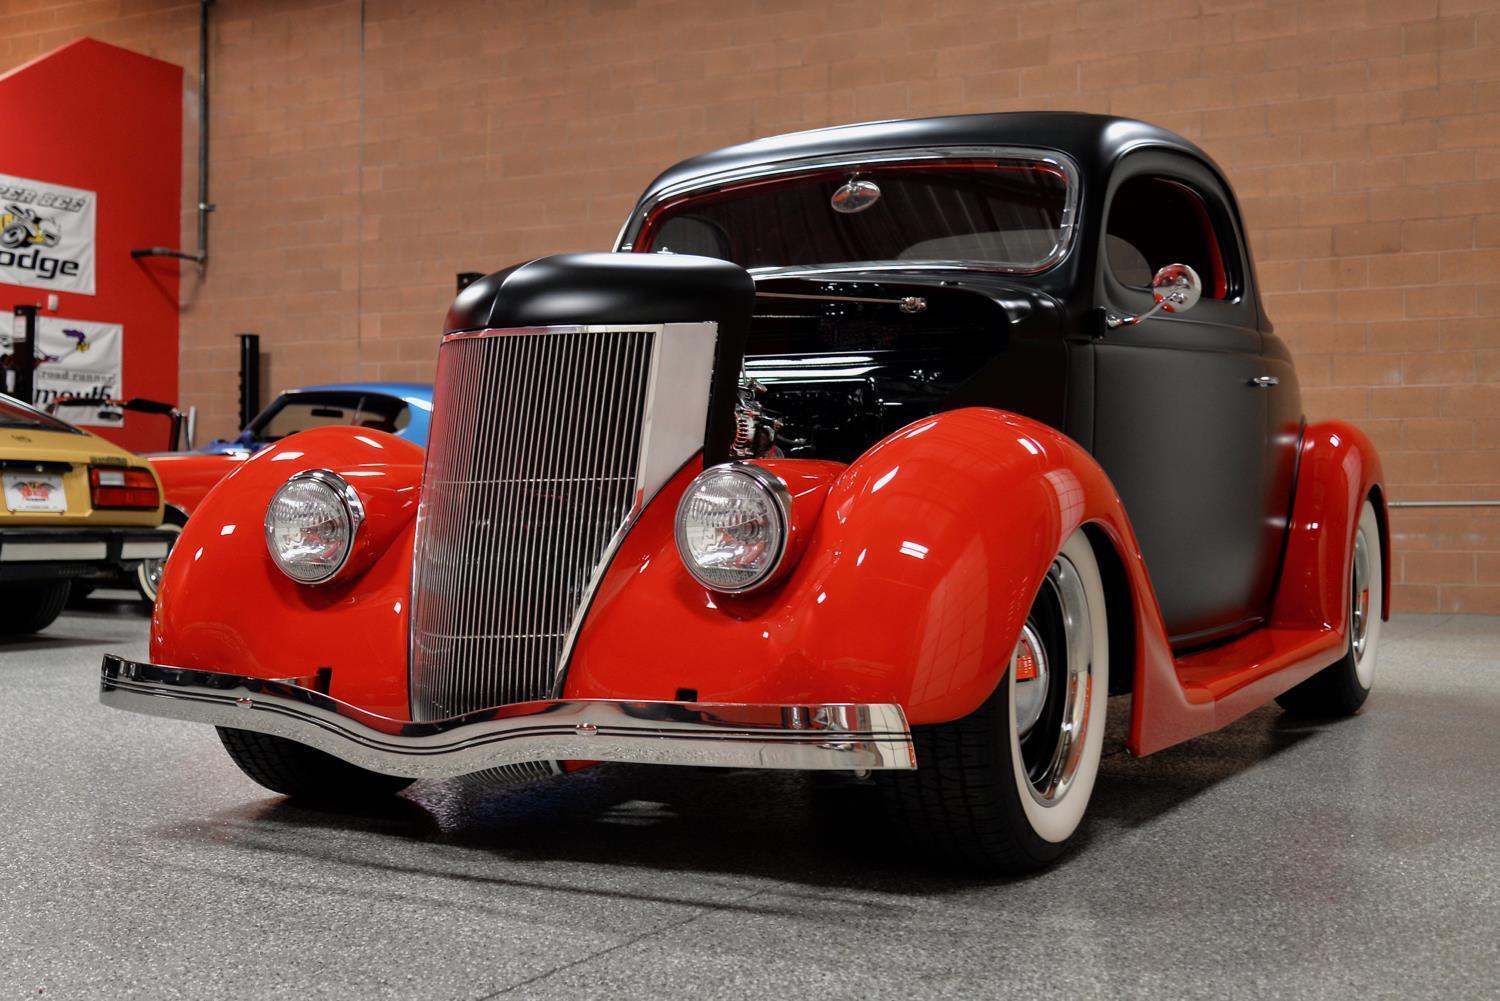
15 414
1007 213
295 412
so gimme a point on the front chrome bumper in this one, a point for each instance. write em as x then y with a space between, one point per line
837 737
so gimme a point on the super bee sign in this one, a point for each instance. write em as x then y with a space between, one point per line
46 235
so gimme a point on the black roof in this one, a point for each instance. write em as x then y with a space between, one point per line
1091 141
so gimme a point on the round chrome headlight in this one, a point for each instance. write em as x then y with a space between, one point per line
311 523
732 527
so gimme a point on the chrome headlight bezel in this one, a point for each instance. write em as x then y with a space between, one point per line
779 500
349 503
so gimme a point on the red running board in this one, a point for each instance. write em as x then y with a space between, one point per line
1221 674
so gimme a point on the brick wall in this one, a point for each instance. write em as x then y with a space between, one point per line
364 153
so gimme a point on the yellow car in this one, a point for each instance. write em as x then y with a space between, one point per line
76 507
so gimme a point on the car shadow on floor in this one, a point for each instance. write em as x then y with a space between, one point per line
61 636
1132 792
788 827
109 604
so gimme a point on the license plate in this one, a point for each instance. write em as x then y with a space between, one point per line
28 492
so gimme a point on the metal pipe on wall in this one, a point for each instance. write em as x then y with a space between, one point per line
204 205
1445 503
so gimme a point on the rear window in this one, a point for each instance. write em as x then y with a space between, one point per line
1011 214
15 414
295 412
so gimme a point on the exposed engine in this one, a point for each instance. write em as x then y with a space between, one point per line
755 430
832 367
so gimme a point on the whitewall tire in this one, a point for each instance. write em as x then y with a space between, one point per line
1055 792
1341 688
1005 788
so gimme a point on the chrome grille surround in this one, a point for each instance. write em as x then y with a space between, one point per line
546 443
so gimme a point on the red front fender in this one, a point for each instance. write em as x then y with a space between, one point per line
224 606
916 578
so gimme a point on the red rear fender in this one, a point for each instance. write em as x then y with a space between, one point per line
1309 621
1338 469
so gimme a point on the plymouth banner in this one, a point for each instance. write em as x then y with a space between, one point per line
77 358
46 235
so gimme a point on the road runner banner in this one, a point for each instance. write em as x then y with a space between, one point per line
46 235
76 358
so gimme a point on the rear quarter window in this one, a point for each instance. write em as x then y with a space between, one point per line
1156 221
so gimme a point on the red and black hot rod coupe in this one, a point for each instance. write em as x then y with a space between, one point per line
896 447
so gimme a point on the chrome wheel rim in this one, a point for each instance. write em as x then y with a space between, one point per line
149 573
1365 599
1359 617
1052 746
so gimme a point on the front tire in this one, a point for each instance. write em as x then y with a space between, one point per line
1341 689
1005 788
304 773
31 607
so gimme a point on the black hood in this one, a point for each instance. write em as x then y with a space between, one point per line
603 288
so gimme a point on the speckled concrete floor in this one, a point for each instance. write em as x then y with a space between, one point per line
1275 859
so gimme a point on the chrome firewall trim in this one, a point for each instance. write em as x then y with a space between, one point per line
837 737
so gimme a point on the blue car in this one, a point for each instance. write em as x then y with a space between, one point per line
400 408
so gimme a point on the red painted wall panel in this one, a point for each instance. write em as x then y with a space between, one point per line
91 115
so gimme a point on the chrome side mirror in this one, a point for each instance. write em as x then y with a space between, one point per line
1176 288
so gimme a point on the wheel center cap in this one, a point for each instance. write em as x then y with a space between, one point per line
1030 667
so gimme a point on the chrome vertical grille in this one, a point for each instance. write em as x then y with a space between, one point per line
534 462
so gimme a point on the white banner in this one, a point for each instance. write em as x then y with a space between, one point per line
77 358
46 235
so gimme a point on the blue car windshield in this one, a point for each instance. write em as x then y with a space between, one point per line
294 412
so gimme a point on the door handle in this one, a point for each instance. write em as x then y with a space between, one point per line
1265 381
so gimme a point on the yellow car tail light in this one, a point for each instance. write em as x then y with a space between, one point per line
123 488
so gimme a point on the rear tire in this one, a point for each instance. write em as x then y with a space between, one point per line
31 606
1005 788
1341 689
304 773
